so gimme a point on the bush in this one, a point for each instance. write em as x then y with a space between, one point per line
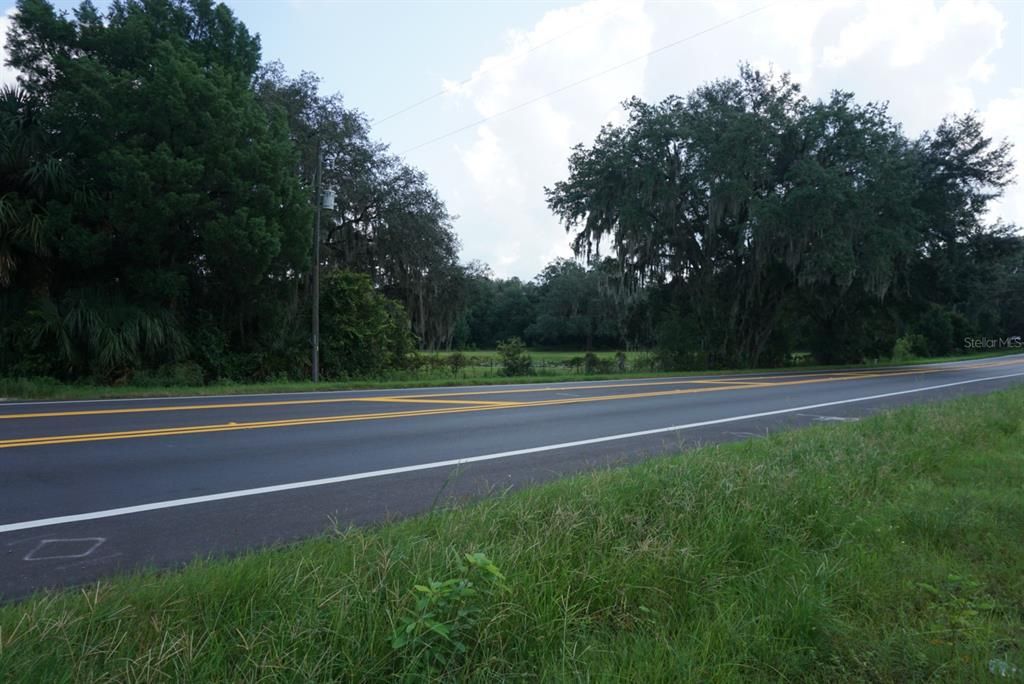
183 374
457 362
938 326
908 347
514 359
901 350
362 332
435 636
595 365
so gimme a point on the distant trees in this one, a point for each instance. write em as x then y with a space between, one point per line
766 220
495 309
573 309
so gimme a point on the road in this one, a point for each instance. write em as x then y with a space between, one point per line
93 488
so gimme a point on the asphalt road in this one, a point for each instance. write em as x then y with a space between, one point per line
91 488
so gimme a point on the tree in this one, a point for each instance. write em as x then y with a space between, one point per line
760 212
179 203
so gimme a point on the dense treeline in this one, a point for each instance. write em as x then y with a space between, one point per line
157 213
762 222
156 221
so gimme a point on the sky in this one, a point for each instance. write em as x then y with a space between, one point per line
925 58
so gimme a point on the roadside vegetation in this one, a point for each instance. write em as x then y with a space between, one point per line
886 550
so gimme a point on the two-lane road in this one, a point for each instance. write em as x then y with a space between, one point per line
93 487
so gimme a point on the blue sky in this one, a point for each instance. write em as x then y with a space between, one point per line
925 57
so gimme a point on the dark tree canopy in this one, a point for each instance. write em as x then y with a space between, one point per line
177 200
763 212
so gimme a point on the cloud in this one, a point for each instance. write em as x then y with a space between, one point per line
924 57
1004 118
507 162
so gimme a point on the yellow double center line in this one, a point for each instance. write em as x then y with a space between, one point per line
460 405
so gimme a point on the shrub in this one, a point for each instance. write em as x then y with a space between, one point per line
908 347
936 326
363 333
457 362
514 359
184 374
434 636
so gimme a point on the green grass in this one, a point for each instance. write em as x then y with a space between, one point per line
887 550
47 388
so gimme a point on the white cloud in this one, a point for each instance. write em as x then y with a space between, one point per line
926 58
1004 118
908 32
8 76
507 161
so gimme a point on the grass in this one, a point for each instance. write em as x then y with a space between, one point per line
888 550
48 388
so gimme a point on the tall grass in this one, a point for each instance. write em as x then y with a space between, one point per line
887 550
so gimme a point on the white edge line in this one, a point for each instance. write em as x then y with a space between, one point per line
256 491
445 388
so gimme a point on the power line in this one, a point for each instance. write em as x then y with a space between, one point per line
478 74
655 51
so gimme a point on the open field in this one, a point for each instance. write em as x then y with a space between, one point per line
890 549
549 367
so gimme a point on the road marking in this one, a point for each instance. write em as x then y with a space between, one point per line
50 440
256 491
228 427
83 547
242 404
445 397
550 386
417 400
829 419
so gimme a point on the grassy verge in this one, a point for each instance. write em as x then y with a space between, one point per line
44 388
886 550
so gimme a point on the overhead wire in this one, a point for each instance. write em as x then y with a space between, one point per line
591 77
478 74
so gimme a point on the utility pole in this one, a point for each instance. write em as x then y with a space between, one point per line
316 265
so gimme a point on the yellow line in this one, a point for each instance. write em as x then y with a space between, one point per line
463 407
416 400
447 397
242 404
228 427
441 398
733 382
